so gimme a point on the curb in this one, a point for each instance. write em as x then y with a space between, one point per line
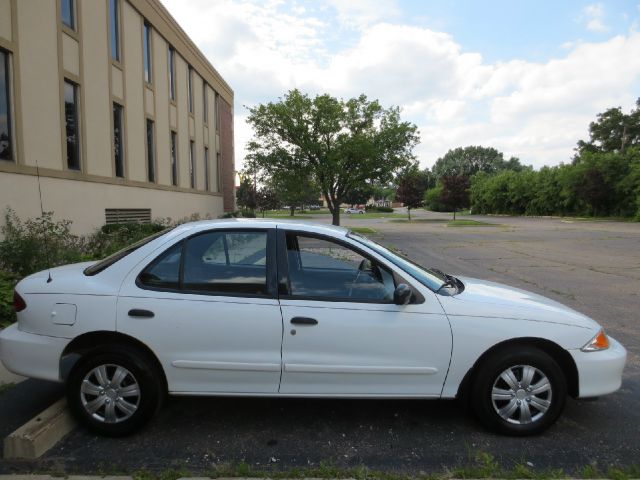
38 435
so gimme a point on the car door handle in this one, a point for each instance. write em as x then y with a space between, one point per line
303 321
138 312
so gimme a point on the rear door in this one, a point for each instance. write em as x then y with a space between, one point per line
207 307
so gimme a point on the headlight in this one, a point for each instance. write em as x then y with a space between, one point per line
599 342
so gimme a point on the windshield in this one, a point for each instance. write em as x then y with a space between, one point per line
430 278
120 254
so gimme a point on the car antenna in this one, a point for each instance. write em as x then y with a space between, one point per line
44 232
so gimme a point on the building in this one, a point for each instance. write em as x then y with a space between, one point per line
116 109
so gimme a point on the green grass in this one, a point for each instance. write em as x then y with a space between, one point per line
363 230
478 465
471 223
322 211
364 216
421 220
286 216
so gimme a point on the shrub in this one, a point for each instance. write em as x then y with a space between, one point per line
111 238
7 283
433 199
372 208
37 243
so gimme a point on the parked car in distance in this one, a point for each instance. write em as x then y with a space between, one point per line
354 210
314 207
251 307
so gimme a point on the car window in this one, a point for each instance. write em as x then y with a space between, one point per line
226 263
164 271
323 268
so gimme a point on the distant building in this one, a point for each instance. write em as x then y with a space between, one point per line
124 116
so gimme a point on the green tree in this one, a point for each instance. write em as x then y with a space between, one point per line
294 189
455 192
473 159
411 188
613 131
246 194
341 144
359 195
267 199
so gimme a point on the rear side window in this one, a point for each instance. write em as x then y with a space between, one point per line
227 262
222 263
164 271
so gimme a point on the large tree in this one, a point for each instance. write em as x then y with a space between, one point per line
246 194
613 131
473 159
341 144
294 189
267 199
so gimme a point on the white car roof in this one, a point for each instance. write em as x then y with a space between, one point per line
289 224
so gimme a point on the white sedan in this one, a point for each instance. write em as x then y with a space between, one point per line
354 210
271 308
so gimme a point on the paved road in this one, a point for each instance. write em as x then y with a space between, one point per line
593 267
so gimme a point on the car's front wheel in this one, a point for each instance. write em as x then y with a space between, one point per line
519 391
114 391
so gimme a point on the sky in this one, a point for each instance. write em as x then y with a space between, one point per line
525 77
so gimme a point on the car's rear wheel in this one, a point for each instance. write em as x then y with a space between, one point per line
114 391
519 391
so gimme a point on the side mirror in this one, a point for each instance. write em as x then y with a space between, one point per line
402 294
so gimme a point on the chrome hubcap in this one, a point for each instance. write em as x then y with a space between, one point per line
521 394
110 393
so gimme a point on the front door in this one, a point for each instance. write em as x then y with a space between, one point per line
343 335
207 308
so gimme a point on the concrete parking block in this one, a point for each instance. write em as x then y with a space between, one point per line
40 433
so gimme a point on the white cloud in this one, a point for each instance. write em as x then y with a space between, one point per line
593 15
534 110
361 13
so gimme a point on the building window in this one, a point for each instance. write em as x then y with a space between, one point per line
118 140
147 52
218 174
174 158
114 13
206 169
72 119
205 106
151 152
172 73
68 13
190 84
216 107
6 135
192 164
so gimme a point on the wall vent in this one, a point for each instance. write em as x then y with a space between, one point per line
127 215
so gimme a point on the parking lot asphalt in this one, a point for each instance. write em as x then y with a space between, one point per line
593 267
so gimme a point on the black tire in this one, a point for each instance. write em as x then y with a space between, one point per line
515 359
142 376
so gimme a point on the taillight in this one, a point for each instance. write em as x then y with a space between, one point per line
18 302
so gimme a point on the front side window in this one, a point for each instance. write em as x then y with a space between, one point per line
114 21
118 140
147 52
226 262
68 13
322 268
151 152
72 127
6 135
